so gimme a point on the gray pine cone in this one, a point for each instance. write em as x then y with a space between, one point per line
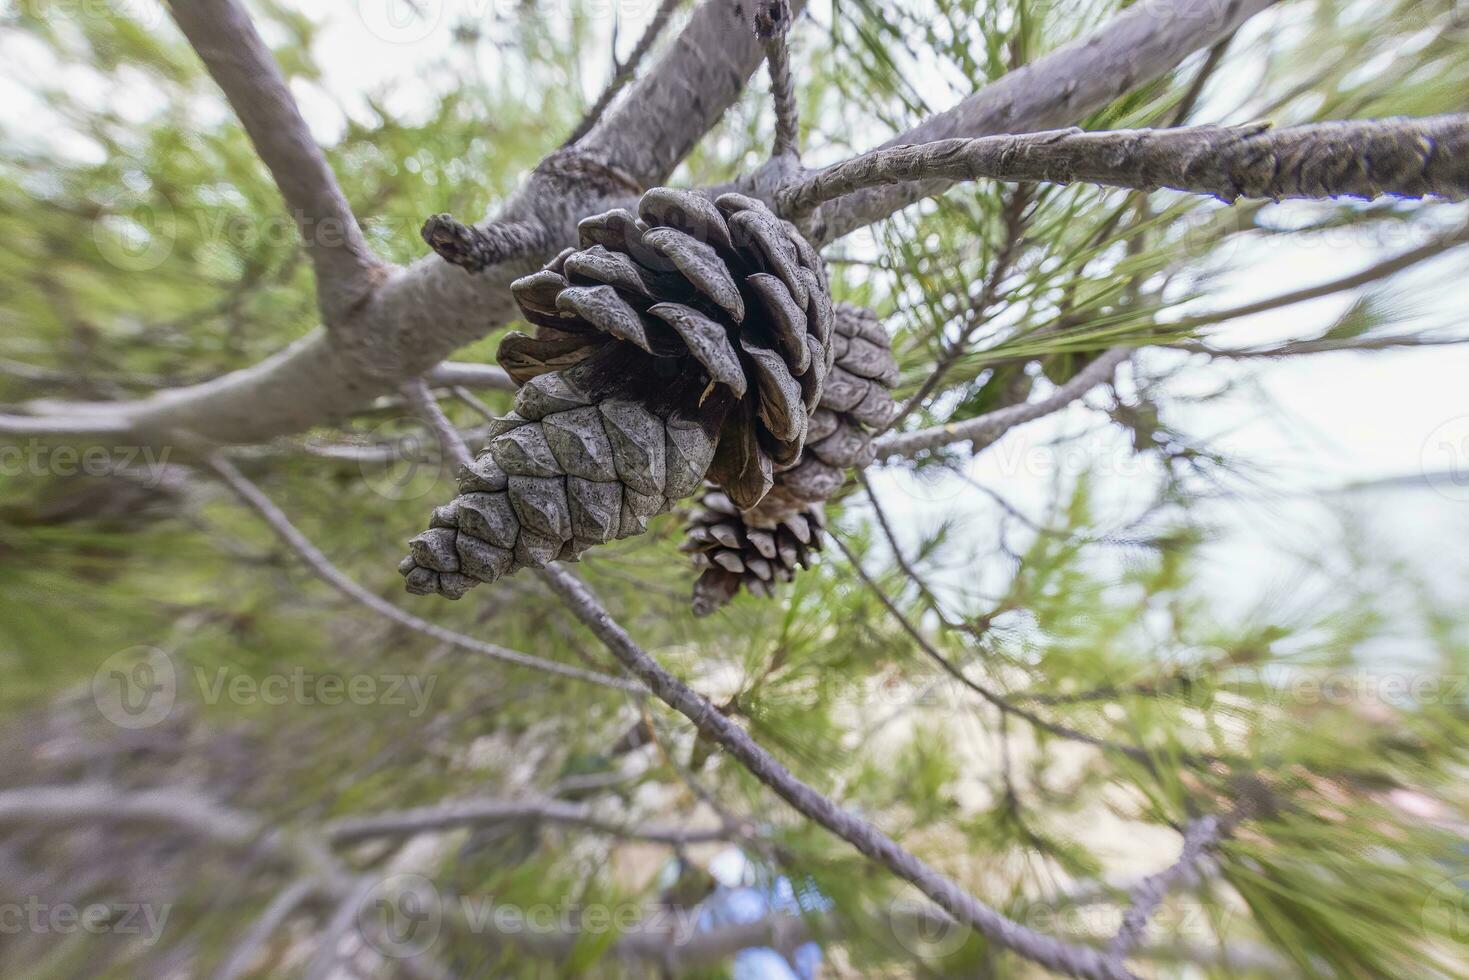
755 548
730 546
689 342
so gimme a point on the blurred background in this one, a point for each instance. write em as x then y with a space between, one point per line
1249 548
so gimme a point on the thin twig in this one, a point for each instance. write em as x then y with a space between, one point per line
1075 961
1016 203
1399 157
986 429
995 699
329 573
1148 894
1373 273
772 25
451 443
470 376
1318 345
463 813
626 71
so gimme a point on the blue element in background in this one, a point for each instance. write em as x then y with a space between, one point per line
745 904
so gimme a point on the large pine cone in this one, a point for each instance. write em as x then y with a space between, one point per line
766 544
686 343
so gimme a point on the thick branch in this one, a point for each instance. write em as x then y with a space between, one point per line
1062 957
423 313
322 566
57 806
238 60
1140 44
986 429
626 71
1400 157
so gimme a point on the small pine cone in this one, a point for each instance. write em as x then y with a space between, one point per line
755 548
691 341
732 547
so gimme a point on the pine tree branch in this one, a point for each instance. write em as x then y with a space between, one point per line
242 955
451 443
329 573
467 813
421 314
466 375
1373 273
83 803
1318 345
221 32
1398 157
1198 838
772 25
626 71
475 248
671 107
985 429
1018 200
1140 44
1074 961
993 698
59 424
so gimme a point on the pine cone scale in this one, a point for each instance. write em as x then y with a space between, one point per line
752 547
687 343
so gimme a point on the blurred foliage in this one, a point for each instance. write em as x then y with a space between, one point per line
142 246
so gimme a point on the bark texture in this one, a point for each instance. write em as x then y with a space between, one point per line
1138 45
1401 157
221 32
